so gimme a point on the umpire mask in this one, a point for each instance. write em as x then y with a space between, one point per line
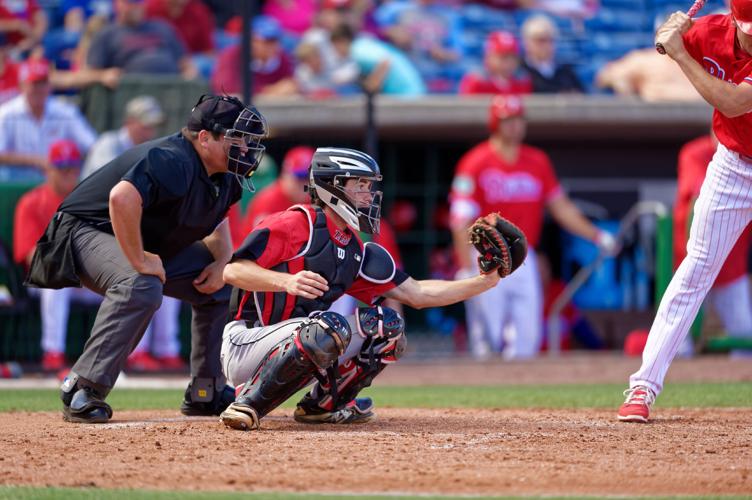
243 145
242 127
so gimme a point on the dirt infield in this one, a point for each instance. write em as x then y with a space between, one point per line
416 451
449 451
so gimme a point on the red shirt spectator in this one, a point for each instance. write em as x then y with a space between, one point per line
272 68
694 158
8 79
21 11
502 63
192 20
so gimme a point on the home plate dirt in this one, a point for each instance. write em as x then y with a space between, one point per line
451 451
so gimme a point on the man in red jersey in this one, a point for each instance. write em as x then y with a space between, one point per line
730 294
504 175
715 53
292 267
33 212
286 191
502 64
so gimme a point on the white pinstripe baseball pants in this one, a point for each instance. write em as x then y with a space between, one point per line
722 211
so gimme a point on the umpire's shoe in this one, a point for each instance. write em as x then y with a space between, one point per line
357 411
83 404
221 400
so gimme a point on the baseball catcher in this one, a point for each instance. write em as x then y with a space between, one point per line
292 267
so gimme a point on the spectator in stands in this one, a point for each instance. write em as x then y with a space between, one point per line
315 79
138 45
32 121
384 69
343 70
502 63
647 74
505 175
295 16
143 116
8 72
430 34
191 19
539 36
272 68
34 211
23 22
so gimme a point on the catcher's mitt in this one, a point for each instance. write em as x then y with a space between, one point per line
501 244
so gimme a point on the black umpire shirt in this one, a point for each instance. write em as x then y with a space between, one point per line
181 203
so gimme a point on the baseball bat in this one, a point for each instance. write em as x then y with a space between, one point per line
699 4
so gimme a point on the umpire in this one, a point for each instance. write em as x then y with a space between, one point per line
152 222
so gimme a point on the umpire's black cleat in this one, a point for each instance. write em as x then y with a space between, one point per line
357 411
85 406
217 405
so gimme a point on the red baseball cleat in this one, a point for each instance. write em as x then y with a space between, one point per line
142 362
636 407
53 361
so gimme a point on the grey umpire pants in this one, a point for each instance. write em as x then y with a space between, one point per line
131 299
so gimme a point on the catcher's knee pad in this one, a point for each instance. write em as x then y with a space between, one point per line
383 330
292 363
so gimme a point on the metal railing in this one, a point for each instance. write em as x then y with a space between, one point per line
627 222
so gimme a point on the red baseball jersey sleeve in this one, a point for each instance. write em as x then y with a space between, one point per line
712 42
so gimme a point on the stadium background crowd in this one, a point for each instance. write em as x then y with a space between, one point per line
318 49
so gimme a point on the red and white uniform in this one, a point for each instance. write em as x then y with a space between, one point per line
33 212
722 210
283 238
272 199
484 182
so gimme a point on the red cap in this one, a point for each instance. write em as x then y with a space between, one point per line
64 154
503 107
742 12
297 160
34 70
502 42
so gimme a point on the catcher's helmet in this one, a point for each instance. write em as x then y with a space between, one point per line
503 107
742 12
243 128
329 171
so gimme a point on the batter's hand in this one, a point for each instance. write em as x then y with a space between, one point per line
152 265
669 35
210 279
306 284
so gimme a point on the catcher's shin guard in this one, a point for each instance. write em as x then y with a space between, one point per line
289 367
384 332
